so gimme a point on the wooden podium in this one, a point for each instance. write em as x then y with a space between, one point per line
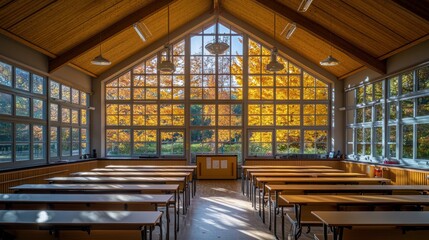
216 166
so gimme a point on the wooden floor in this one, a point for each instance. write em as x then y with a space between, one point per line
220 211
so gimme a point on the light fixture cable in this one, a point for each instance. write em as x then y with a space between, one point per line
273 65
167 66
330 61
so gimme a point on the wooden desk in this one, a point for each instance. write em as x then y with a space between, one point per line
56 221
357 189
262 181
339 220
126 180
75 201
188 176
141 167
335 202
269 170
254 175
105 188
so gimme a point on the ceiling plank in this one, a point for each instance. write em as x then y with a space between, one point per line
108 32
304 62
417 7
326 35
202 20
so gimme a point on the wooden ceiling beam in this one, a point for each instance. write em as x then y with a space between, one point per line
417 7
326 35
107 33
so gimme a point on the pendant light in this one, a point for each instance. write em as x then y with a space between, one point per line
273 65
330 61
167 66
100 60
217 47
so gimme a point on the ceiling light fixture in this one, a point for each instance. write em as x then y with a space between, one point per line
167 66
288 30
100 60
273 65
305 4
330 61
142 30
217 47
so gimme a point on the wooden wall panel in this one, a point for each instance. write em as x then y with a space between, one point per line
38 175
399 176
104 163
304 162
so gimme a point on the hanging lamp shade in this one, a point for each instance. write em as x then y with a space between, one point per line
217 47
100 61
329 61
167 66
274 65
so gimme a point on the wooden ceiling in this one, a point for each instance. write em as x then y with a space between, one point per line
360 34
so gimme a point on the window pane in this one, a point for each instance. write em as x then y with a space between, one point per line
423 141
5 74
5 103
118 142
145 142
65 93
75 142
202 142
422 76
54 112
54 89
172 143
65 142
75 116
22 79
392 141
423 106
393 87
260 143
84 141
75 96
38 109
407 147
22 106
5 141
288 141
230 142
65 115
83 117
38 84
83 99
38 141
407 83
53 143
22 142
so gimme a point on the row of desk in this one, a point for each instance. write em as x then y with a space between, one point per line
287 186
123 191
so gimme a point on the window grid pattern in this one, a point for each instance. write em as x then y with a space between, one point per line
403 109
221 88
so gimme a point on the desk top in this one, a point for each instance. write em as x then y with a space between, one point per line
373 218
284 167
355 199
86 198
320 187
131 174
153 166
334 180
304 174
115 179
142 170
97 187
97 219
304 170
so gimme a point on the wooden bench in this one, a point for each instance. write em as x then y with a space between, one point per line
56 221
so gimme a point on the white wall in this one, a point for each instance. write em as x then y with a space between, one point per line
408 58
